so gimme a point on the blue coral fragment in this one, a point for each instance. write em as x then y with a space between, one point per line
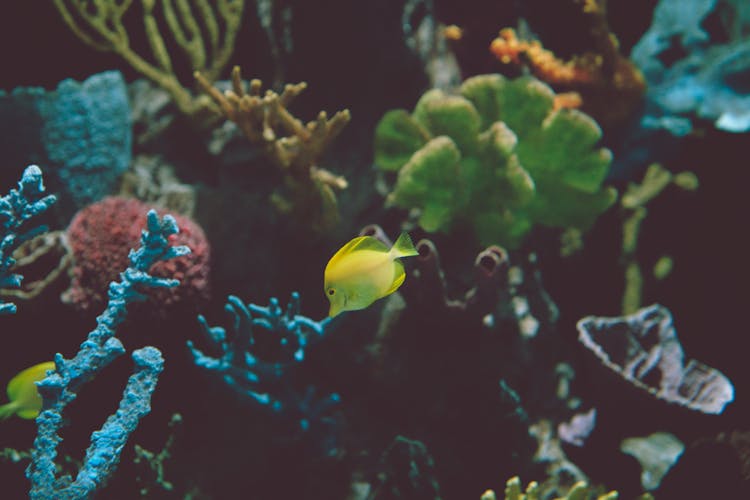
97 352
709 81
267 383
16 208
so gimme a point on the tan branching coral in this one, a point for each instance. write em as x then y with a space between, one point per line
43 260
205 32
152 180
609 84
293 146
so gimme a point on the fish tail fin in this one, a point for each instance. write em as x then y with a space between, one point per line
404 247
7 410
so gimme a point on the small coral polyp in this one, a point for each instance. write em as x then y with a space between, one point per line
100 237
498 157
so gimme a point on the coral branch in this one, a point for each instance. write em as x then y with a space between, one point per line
633 212
644 350
42 260
97 352
267 382
16 208
608 83
100 25
508 48
293 146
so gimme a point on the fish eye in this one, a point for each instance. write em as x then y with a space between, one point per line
331 291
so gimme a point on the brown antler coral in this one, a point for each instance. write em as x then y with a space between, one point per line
293 146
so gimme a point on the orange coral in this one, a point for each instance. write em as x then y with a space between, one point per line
609 84
543 63
567 100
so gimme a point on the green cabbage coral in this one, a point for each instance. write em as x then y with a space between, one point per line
498 157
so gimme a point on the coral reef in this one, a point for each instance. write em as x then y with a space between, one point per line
268 382
578 428
633 211
497 158
101 347
205 33
16 208
656 453
80 132
473 370
153 181
692 71
610 86
43 261
429 40
579 491
154 461
428 289
294 147
99 236
643 349
407 472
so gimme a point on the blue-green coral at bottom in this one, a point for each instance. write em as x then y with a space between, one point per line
99 349
267 383
499 157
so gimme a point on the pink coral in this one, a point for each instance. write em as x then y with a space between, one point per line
100 237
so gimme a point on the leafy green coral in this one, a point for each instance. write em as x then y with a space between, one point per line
499 157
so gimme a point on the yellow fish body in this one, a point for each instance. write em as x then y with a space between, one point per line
365 270
25 401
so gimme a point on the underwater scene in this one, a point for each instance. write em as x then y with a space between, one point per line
374 250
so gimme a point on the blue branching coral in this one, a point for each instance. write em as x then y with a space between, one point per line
267 382
97 352
16 208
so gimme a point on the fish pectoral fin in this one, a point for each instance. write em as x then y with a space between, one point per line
399 275
28 414
8 409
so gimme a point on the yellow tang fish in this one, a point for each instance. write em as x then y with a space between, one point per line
365 270
25 401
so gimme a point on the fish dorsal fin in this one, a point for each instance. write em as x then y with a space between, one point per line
404 247
7 410
359 243
399 275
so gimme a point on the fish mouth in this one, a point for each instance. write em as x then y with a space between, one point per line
336 308
334 311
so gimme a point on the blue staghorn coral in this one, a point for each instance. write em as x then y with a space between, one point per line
15 209
97 352
267 382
